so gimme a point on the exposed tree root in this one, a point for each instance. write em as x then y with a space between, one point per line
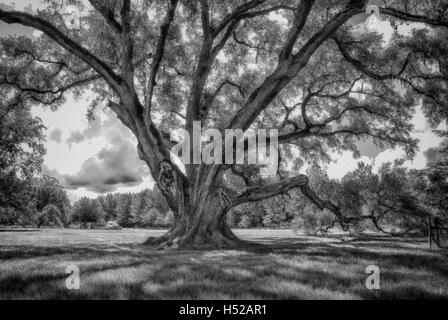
182 239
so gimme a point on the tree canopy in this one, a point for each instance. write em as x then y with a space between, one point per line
303 67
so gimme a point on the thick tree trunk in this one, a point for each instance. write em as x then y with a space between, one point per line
202 226
430 232
201 222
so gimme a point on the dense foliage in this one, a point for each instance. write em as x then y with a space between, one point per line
37 201
394 200
307 68
21 156
146 209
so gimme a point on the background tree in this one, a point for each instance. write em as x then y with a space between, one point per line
155 199
431 188
109 204
307 217
86 211
147 208
139 207
149 218
124 216
21 155
21 141
168 220
22 194
394 201
323 84
47 191
50 216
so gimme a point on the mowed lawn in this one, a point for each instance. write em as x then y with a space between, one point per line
114 265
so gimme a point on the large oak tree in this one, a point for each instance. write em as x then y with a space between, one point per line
298 66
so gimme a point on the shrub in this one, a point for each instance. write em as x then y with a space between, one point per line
50 216
86 211
149 219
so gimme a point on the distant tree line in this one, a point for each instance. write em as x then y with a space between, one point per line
43 202
146 209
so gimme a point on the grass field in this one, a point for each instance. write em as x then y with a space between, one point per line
113 265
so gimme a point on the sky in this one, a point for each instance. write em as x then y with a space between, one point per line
94 158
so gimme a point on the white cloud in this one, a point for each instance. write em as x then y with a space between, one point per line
388 156
344 163
91 158
427 140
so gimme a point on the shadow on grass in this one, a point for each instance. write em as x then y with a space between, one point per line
29 251
20 230
279 268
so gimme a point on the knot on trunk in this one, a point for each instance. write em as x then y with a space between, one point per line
167 178
224 199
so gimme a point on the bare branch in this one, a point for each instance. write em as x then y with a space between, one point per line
108 14
288 69
342 94
158 56
362 68
239 41
303 106
234 15
55 93
253 194
414 18
229 31
221 86
316 131
391 76
54 33
205 19
127 43
300 19
323 204
242 12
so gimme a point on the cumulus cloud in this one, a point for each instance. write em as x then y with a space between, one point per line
95 128
75 137
102 125
114 166
56 135
46 170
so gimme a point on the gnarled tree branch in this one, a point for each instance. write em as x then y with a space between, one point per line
253 194
54 33
414 17
288 69
107 14
158 56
